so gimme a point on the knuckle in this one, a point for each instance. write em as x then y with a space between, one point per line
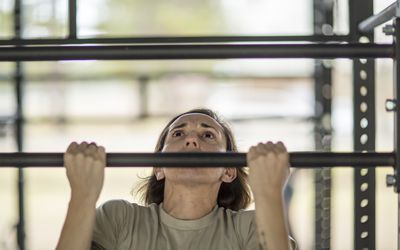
87 151
79 155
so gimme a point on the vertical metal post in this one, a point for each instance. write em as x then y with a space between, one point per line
144 94
323 25
72 13
18 125
364 129
396 93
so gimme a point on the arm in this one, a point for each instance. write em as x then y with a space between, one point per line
85 170
268 164
271 224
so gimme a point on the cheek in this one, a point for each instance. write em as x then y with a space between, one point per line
222 147
169 146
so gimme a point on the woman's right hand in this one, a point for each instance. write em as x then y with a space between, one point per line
85 165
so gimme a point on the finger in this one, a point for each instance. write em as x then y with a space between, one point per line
82 147
91 149
281 147
276 149
72 148
269 145
252 154
261 149
281 151
101 151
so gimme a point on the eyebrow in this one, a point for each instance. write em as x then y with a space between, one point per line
204 125
179 126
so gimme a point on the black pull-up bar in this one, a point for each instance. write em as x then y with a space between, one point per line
230 159
198 51
382 17
173 40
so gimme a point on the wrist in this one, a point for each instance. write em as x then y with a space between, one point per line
82 201
268 195
272 201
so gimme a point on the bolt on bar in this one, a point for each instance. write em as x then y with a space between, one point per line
382 17
226 51
230 159
176 40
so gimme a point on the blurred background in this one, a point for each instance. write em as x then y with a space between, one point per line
123 105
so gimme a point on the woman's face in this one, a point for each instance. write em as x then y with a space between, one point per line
195 133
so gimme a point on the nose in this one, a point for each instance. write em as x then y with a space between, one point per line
192 142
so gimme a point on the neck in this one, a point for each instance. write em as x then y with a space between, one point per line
189 202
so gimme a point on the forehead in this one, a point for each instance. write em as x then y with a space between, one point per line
197 119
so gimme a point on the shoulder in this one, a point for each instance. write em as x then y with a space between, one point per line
240 215
124 209
124 206
111 207
112 204
118 220
245 225
243 221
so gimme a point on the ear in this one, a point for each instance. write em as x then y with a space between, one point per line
159 173
229 175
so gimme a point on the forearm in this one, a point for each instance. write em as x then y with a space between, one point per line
78 226
271 223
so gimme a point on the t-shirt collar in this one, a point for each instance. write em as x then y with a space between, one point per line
187 224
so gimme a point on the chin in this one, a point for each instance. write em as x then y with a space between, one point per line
195 175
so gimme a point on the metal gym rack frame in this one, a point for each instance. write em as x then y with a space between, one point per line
324 46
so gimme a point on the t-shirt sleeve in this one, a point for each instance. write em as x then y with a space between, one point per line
247 230
110 219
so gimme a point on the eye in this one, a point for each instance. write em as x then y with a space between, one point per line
177 133
209 135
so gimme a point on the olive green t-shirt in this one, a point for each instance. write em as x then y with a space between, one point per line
124 225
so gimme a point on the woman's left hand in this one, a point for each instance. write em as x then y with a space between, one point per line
268 169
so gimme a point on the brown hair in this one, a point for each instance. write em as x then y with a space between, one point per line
234 195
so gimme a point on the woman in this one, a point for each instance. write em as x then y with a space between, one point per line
187 208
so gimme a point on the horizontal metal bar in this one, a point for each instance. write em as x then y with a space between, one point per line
60 119
382 17
176 40
226 51
297 159
43 77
